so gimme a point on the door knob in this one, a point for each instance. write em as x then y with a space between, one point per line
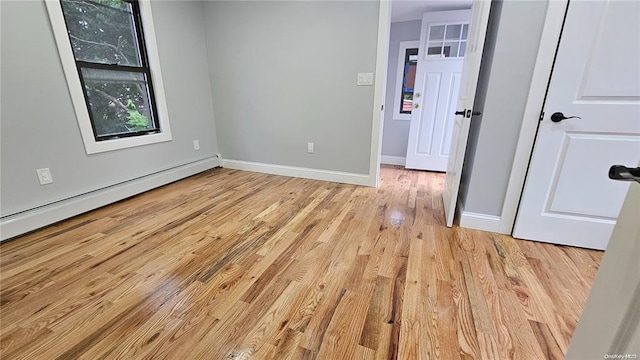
558 116
416 95
621 172
416 105
460 112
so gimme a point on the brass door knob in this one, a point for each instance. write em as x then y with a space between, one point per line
416 105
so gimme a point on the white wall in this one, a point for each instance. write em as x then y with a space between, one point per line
39 128
284 74
395 133
507 67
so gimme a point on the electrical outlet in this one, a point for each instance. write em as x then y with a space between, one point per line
310 148
44 175
196 145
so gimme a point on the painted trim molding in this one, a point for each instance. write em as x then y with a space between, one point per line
477 221
30 220
382 60
294 171
393 160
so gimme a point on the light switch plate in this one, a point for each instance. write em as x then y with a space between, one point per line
44 176
365 79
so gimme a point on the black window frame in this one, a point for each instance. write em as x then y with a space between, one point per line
144 68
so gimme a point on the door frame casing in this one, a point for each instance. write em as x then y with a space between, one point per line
380 81
549 41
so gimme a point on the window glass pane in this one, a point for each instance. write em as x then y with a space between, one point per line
408 80
436 32
435 49
118 101
102 31
465 29
463 48
453 32
450 49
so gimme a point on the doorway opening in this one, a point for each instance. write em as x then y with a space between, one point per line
426 52
448 41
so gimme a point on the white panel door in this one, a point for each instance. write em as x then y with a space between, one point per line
568 198
466 96
443 42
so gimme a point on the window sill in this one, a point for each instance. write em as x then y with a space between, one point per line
96 147
402 117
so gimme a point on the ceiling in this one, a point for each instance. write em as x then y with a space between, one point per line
406 10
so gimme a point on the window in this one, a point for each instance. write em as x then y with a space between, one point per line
408 80
405 79
449 40
114 82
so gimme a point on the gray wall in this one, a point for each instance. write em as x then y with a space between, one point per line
507 67
39 128
309 54
395 133
284 74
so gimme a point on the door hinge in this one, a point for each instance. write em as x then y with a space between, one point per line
541 116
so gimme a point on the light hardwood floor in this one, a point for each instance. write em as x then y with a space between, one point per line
235 265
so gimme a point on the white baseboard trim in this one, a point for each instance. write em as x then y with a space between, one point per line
294 171
30 220
393 160
480 221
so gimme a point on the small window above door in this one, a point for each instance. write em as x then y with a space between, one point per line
447 40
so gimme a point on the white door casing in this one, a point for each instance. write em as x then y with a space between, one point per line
466 96
436 88
568 198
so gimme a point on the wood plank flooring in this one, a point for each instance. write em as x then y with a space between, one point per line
237 265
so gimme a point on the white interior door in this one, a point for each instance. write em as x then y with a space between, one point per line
443 42
568 198
610 323
466 96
